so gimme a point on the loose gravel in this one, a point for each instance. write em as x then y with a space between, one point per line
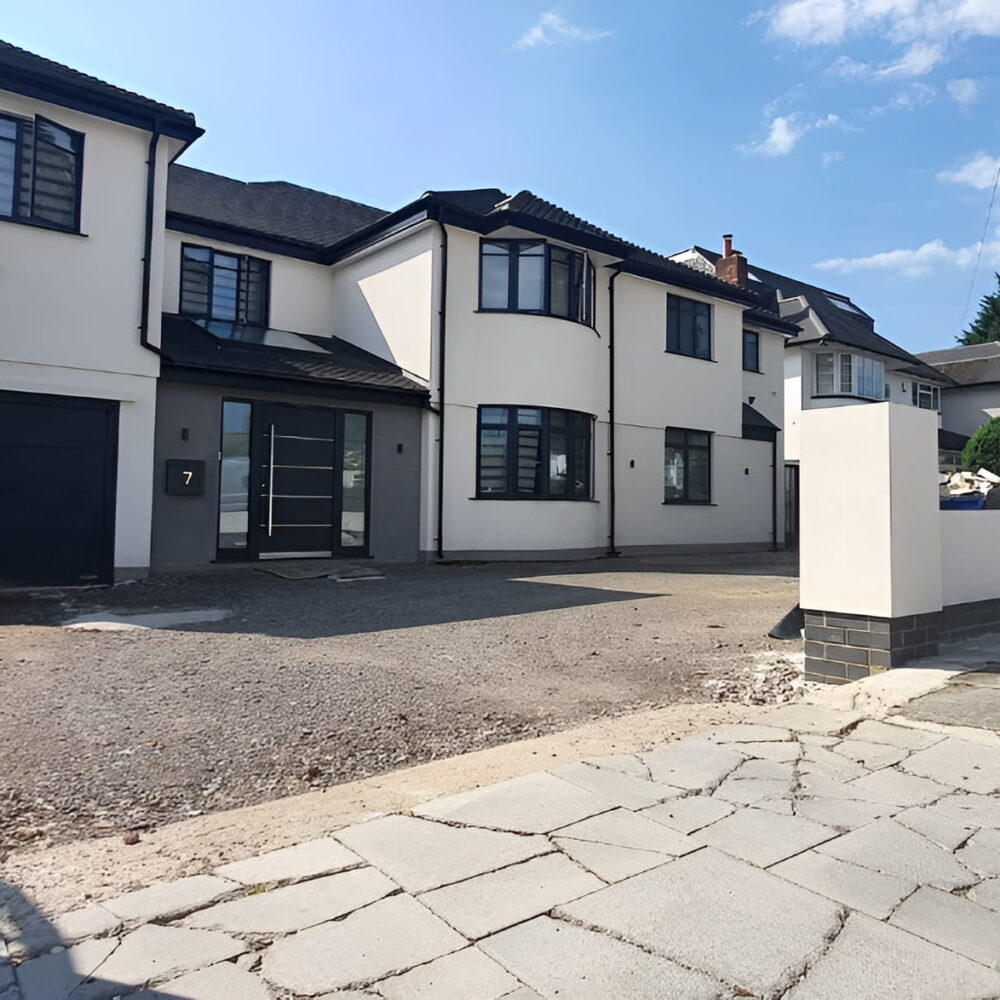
308 683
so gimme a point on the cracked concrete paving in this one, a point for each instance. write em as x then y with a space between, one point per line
833 850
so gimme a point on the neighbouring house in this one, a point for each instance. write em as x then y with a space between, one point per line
83 179
973 395
835 359
473 375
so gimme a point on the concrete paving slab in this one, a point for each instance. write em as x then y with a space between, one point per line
841 814
987 894
979 678
767 769
558 959
468 974
218 982
872 731
959 764
953 922
887 847
41 934
825 762
762 837
489 903
958 705
780 752
294 907
387 938
689 814
982 854
817 740
750 791
534 803
950 833
421 854
691 767
859 888
167 900
627 763
60 975
623 789
895 787
971 808
711 912
747 733
811 719
324 856
521 994
783 807
870 960
622 828
607 861
872 756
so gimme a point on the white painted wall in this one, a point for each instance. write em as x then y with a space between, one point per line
962 409
870 539
71 304
970 547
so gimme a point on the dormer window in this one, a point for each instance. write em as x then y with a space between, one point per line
224 286
40 172
535 277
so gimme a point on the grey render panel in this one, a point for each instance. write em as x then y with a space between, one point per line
184 528
962 407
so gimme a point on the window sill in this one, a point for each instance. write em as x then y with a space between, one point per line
692 357
754 371
536 312
848 395
540 499
34 224
689 503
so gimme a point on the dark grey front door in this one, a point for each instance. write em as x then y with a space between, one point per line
297 464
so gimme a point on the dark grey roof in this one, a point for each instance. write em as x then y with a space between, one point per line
754 418
24 72
273 208
853 329
335 362
976 364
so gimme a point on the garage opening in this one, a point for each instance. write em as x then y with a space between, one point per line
58 466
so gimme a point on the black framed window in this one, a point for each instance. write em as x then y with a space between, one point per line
224 286
41 168
687 466
532 453
751 351
537 277
689 327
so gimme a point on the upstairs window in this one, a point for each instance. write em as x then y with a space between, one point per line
927 397
224 286
850 375
41 166
531 453
751 351
537 277
689 327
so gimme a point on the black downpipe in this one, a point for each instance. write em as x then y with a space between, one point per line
147 249
774 493
442 330
612 551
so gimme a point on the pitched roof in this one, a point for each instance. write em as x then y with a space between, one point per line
35 76
274 208
845 323
332 362
976 364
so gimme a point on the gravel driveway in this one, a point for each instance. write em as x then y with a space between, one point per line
306 683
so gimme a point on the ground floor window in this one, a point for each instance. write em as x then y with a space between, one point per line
687 466
234 476
533 453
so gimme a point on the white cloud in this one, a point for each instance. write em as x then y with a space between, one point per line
828 159
918 60
915 96
979 172
964 91
553 28
928 257
785 131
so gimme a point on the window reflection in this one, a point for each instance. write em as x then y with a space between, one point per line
234 476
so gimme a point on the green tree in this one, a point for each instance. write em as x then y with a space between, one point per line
986 326
983 449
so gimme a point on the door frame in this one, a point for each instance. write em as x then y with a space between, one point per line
252 551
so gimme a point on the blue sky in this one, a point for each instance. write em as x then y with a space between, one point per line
852 143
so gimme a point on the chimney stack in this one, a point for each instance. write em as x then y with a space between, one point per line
732 265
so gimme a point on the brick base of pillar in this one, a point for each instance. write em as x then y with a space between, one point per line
844 647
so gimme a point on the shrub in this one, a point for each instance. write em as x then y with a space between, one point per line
983 449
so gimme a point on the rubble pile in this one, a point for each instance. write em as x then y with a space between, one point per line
967 484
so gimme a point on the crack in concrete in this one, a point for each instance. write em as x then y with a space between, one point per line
797 975
90 975
458 825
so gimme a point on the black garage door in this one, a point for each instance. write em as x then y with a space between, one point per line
58 456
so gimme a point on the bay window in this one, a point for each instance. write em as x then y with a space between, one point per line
536 277
849 375
532 453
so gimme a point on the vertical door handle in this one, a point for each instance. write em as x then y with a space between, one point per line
270 487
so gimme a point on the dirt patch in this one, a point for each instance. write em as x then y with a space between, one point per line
310 683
